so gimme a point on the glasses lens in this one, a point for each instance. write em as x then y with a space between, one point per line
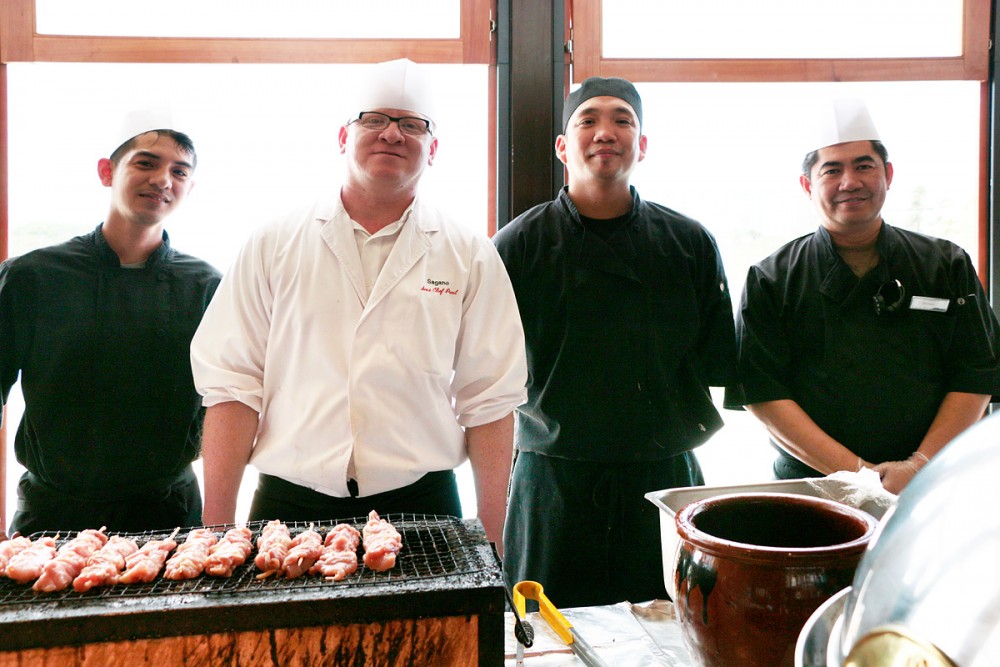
413 125
372 120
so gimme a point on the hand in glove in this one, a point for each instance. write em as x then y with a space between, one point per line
897 474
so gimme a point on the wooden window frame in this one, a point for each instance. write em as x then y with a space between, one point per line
20 42
972 65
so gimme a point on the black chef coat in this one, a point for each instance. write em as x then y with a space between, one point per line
103 353
809 331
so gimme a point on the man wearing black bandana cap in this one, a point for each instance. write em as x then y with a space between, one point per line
628 321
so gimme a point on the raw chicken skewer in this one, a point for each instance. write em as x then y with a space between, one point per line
230 552
27 565
382 542
106 565
272 548
306 547
143 566
59 572
191 557
10 548
340 553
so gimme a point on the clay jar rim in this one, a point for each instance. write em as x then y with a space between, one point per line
709 543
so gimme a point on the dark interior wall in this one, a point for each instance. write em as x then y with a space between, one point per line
530 79
992 220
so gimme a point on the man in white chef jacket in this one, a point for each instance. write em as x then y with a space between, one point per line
358 351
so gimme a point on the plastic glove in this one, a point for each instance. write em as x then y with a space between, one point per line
897 474
862 489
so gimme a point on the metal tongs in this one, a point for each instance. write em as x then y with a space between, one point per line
523 632
532 590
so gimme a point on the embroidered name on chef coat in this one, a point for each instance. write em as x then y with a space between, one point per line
438 287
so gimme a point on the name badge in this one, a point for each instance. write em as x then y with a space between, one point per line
929 303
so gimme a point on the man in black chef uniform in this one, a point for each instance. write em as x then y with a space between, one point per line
99 329
627 321
862 344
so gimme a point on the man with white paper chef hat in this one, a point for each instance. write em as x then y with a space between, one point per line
862 344
359 351
99 329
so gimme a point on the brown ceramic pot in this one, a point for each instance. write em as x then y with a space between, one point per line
752 567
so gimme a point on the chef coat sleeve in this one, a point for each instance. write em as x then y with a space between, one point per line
974 356
227 352
763 354
490 365
716 349
10 319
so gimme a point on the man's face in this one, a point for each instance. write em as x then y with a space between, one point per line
847 185
602 140
389 156
150 180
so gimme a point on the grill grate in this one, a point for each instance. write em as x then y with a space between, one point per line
433 547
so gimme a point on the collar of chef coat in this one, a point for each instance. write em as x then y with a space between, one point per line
414 239
840 280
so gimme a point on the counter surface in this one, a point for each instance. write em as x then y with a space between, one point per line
639 635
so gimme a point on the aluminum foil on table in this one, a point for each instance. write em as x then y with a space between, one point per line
647 634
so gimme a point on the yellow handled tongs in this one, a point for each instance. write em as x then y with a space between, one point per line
532 590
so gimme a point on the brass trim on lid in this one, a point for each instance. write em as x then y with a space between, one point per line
895 646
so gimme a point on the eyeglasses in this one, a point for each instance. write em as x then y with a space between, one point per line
374 120
889 297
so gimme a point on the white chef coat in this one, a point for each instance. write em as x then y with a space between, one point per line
390 377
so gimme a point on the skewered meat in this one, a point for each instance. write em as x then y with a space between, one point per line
143 566
306 547
229 553
340 553
106 565
10 548
59 572
27 565
272 548
190 558
382 542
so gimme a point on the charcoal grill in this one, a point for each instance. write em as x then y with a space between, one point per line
446 569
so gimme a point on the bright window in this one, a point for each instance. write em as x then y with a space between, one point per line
729 155
694 29
318 19
266 137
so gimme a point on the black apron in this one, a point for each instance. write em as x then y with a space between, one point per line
41 507
585 531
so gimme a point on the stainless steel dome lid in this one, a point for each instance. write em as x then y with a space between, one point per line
930 578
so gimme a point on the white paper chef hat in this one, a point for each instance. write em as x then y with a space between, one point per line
397 84
840 121
155 116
